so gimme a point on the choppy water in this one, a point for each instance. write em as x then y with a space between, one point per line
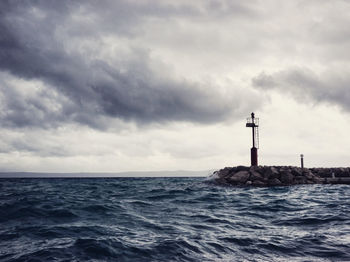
171 219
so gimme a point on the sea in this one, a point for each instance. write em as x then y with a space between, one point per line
170 219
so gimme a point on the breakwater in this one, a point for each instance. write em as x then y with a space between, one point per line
280 176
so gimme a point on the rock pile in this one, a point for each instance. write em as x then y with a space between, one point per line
331 172
280 176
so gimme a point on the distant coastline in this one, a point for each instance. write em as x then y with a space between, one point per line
178 173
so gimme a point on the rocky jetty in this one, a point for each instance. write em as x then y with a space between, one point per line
280 176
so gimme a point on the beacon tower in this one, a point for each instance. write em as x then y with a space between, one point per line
253 122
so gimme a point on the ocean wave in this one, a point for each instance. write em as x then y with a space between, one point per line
170 219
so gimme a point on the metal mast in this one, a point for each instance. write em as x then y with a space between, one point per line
253 122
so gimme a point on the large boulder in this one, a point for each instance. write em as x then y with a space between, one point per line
224 172
297 172
324 172
308 174
341 172
317 180
300 180
258 183
287 177
242 168
274 182
271 173
254 175
240 177
258 169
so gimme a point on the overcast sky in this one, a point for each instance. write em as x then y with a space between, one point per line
111 86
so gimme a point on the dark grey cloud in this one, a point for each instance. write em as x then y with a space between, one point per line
35 105
69 65
307 86
77 87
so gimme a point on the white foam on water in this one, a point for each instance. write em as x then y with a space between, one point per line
212 176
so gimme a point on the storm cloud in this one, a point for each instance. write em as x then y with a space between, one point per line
162 84
331 87
51 42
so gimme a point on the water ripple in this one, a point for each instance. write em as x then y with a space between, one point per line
171 219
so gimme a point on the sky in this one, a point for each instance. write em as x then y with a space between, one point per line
146 85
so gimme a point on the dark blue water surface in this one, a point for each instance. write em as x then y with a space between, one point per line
171 219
